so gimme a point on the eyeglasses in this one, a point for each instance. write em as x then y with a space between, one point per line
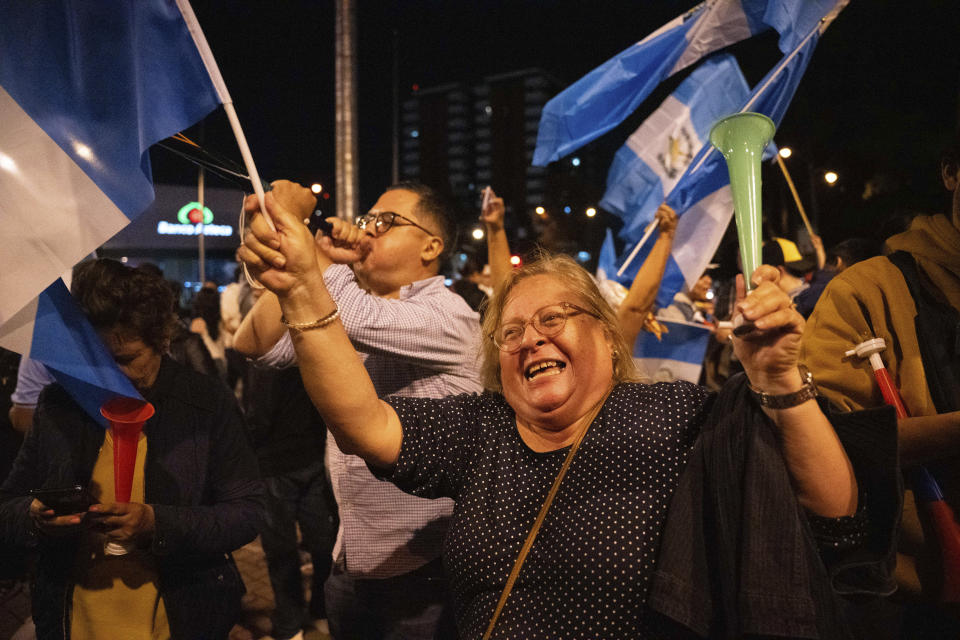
386 220
548 321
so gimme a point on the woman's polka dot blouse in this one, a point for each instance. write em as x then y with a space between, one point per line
589 571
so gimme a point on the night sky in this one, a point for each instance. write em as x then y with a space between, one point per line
877 102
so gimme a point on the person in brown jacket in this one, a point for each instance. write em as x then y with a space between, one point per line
910 298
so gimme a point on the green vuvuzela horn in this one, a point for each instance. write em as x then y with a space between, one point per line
741 139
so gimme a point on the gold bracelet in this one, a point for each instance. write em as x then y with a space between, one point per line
316 324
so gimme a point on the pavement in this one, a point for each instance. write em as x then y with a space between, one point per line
254 623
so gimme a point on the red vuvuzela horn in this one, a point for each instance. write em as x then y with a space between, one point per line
126 417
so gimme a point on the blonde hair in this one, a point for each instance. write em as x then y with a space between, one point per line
564 269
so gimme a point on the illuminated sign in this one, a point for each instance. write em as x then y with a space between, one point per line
191 221
190 214
165 228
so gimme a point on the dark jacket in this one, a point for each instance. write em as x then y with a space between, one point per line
807 299
286 431
200 476
739 557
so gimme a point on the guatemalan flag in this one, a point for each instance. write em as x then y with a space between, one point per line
677 355
86 87
647 167
603 98
702 197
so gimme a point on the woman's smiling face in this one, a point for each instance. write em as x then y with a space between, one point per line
551 382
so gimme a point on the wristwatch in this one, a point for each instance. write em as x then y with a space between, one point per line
784 401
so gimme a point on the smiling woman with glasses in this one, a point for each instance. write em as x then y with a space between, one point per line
548 322
568 457
383 221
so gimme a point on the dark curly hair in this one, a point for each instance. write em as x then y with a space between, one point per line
131 302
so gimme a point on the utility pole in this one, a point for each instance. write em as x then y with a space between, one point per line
347 158
396 108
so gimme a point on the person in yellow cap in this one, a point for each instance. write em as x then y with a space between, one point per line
792 265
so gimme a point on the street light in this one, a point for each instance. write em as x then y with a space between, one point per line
830 177
591 212
316 187
540 211
478 233
785 152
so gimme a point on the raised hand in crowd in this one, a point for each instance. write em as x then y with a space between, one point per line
636 310
492 212
343 245
817 243
771 352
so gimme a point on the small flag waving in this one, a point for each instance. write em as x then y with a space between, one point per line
650 164
675 355
603 98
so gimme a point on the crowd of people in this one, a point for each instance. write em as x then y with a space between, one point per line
487 461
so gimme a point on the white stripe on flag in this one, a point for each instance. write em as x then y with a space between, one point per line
723 24
677 355
667 126
16 334
699 232
51 213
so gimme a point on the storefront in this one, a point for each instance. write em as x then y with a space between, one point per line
168 235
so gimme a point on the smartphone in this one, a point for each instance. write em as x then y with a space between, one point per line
64 501
487 191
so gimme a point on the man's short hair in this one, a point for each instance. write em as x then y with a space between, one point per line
436 210
852 251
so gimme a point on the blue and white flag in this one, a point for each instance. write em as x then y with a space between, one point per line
71 350
677 355
85 89
603 98
606 276
607 258
702 197
650 164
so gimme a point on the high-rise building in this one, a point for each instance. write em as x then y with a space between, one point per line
461 138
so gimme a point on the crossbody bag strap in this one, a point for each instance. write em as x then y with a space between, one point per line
528 543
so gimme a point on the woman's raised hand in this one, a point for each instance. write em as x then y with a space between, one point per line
770 352
284 258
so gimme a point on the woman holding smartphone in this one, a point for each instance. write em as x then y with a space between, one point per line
196 492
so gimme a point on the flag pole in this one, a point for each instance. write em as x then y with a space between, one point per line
200 239
633 254
206 54
796 196
248 161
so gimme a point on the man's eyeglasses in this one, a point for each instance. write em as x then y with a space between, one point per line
386 220
548 321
